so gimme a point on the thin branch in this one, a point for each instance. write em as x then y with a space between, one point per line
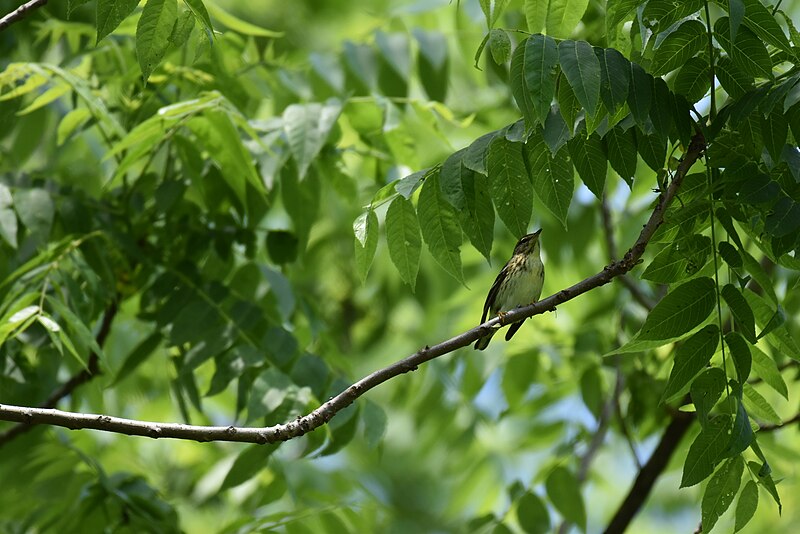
91 370
649 473
788 422
608 229
20 13
323 414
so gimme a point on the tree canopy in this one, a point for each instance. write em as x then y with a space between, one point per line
244 250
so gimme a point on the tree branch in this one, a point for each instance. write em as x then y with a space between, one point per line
650 472
323 414
20 13
788 422
81 377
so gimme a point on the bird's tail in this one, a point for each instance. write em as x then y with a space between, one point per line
483 342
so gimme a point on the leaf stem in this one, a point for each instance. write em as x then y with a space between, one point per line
713 111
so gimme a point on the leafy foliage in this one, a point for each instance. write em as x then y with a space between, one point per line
252 208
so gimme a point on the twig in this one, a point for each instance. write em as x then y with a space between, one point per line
323 414
788 422
20 13
81 377
608 229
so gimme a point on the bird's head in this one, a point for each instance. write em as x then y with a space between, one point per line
528 244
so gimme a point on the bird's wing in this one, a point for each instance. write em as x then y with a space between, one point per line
495 289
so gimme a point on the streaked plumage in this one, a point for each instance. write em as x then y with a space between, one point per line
518 284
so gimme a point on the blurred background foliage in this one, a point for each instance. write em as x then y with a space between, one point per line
234 293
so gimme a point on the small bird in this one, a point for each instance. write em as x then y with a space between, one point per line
518 284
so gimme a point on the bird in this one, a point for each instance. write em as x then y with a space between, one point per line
519 283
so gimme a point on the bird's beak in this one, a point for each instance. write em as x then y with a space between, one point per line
537 232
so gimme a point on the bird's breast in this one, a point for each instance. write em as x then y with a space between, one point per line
523 287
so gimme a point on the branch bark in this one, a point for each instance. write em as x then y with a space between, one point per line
323 414
650 472
20 13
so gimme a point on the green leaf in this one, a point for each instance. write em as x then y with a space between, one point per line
553 179
766 368
659 15
640 95
759 19
693 80
684 308
679 260
519 84
568 104
621 150
690 359
234 23
248 463
540 64
477 215
153 33
731 256
143 350
8 219
282 246
653 149
706 451
740 352
492 10
535 14
476 153
741 312
784 219
499 45
757 405
301 200
307 128
742 433
582 70
509 185
403 239
375 423
182 29
200 13
564 492
110 13
365 229
218 135
721 490
759 274
619 10
615 74
70 123
735 81
439 225
706 390
556 132
532 514
433 63
394 67
35 210
680 46
563 16
746 506
748 52
779 337
774 128
589 157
